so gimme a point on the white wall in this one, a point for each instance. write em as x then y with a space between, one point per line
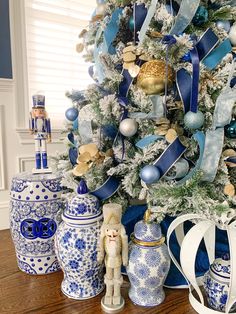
16 144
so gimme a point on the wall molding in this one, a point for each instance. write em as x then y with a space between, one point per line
4 213
22 160
4 205
26 138
6 85
2 164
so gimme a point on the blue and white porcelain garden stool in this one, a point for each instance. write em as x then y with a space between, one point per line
77 244
35 212
149 263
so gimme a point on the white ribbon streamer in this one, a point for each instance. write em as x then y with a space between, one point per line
149 16
215 137
185 15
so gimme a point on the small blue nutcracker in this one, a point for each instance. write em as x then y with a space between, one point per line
40 126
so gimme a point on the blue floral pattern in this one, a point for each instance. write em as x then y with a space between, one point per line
148 266
76 248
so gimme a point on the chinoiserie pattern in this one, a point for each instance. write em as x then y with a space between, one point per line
35 212
77 244
148 265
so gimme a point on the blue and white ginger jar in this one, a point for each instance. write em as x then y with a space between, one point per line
149 264
35 213
76 246
216 284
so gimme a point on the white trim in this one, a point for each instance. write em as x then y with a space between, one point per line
4 214
19 61
2 168
6 85
26 138
22 160
4 205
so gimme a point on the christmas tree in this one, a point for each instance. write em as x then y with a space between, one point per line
158 123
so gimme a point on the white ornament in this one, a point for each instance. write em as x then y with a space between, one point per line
232 35
128 127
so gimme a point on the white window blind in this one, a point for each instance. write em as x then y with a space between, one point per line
54 66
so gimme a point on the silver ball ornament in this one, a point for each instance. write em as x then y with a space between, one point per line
193 120
72 114
223 24
150 174
128 127
232 35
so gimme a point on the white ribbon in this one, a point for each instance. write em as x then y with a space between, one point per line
215 137
149 16
185 15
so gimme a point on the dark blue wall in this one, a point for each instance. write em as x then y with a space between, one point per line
5 44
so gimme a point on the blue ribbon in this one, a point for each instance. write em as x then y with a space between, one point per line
167 159
147 140
214 58
145 25
139 13
187 86
111 31
184 83
109 187
195 80
200 138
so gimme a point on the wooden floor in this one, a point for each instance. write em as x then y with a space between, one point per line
22 293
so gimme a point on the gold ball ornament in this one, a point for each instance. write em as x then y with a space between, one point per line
152 77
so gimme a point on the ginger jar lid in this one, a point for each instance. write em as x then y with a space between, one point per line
82 205
147 231
220 269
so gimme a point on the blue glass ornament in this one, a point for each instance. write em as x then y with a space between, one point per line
71 114
201 16
230 129
223 24
193 120
131 23
150 174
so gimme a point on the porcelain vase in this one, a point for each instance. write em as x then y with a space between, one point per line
35 213
76 246
149 263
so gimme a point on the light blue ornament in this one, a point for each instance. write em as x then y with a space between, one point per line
201 16
131 23
101 1
150 174
71 114
193 120
223 24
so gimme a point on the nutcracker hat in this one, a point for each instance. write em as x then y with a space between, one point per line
112 213
38 101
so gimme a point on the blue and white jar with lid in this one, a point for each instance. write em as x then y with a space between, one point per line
76 245
216 283
149 263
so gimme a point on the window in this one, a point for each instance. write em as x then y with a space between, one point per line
54 66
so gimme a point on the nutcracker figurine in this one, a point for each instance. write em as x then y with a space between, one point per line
40 126
114 250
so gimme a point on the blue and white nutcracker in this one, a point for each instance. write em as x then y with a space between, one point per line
41 128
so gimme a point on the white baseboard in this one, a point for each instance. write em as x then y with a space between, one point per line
4 215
